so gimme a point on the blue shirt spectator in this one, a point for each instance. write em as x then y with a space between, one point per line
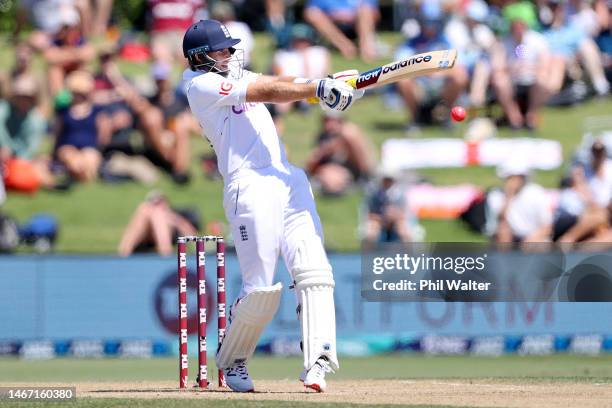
421 95
79 132
78 129
431 39
341 21
341 7
565 40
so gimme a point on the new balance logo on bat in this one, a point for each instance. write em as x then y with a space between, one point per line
368 78
405 63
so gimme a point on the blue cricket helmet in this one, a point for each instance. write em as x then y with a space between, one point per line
205 36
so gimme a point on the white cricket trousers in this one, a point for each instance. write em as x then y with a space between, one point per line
272 212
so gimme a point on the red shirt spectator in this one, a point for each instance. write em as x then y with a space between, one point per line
167 15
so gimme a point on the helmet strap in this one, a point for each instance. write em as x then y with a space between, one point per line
201 61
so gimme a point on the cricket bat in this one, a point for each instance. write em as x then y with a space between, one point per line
416 65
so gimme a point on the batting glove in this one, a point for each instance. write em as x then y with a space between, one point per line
335 94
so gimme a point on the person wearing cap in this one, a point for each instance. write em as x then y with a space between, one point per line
520 68
77 129
302 59
268 202
22 130
343 155
22 125
520 212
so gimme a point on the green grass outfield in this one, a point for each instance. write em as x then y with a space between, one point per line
560 367
92 217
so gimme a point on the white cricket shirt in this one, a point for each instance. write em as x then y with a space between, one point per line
524 59
242 134
529 209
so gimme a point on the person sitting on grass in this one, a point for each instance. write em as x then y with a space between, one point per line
387 213
521 68
593 183
570 46
342 155
23 57
68 51
302 59
521 212
22 125
342 21
429 98
165 140
77 130
22 129
156 225
178 122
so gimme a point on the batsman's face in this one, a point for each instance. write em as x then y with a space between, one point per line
222 57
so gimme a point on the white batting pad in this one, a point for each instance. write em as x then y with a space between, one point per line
315 289
249 317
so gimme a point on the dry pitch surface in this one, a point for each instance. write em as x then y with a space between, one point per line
472 393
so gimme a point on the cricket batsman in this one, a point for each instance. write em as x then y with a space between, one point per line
267 201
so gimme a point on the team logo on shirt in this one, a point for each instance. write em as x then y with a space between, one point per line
243 233
226 87
243 107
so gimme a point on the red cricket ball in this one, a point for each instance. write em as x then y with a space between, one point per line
458 113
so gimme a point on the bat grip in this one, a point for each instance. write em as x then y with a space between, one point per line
351 81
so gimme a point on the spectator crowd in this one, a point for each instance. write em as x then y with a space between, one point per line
103 124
